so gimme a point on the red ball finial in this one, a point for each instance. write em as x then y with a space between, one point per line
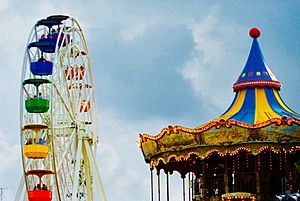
254 32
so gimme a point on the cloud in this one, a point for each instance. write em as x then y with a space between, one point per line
10 169
119 159
130 33
109 159
4 5
9 154
214 65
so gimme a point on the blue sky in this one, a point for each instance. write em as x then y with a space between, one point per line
155 63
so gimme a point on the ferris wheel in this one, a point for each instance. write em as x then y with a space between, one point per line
58 116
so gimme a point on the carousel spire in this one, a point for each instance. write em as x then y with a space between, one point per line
257 99
256 72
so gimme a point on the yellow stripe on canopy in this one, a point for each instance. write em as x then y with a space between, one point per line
236 107
263 110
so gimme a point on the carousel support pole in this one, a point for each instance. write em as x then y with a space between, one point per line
189 186
192 184
280 168
290 165
257 167
233 172
226 175
158 184
290 181
151 178
286 170
183 187
203 179
168 196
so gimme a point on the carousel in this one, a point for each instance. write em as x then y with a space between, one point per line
250 152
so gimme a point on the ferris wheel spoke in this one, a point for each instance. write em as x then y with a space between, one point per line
63 167
64 185
60 162
27 93
64 181
63 102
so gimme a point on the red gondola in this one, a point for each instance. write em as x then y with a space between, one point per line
39 193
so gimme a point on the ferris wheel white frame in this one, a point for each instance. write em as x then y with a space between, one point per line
72 135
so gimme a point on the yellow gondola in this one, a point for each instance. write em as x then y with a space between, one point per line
35 148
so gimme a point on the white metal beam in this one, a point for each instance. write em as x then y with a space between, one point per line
100 186
20 189
76 171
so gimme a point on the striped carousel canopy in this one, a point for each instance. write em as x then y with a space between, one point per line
257 99
257 120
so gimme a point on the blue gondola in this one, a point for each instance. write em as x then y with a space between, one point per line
48 22
42 66
43 46
54 20
47 44
58 17
51 37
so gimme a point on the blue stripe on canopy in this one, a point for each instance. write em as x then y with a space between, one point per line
247 112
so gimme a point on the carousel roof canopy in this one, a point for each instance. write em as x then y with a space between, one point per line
257 99
257 119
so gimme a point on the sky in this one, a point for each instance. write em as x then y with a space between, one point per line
155 63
